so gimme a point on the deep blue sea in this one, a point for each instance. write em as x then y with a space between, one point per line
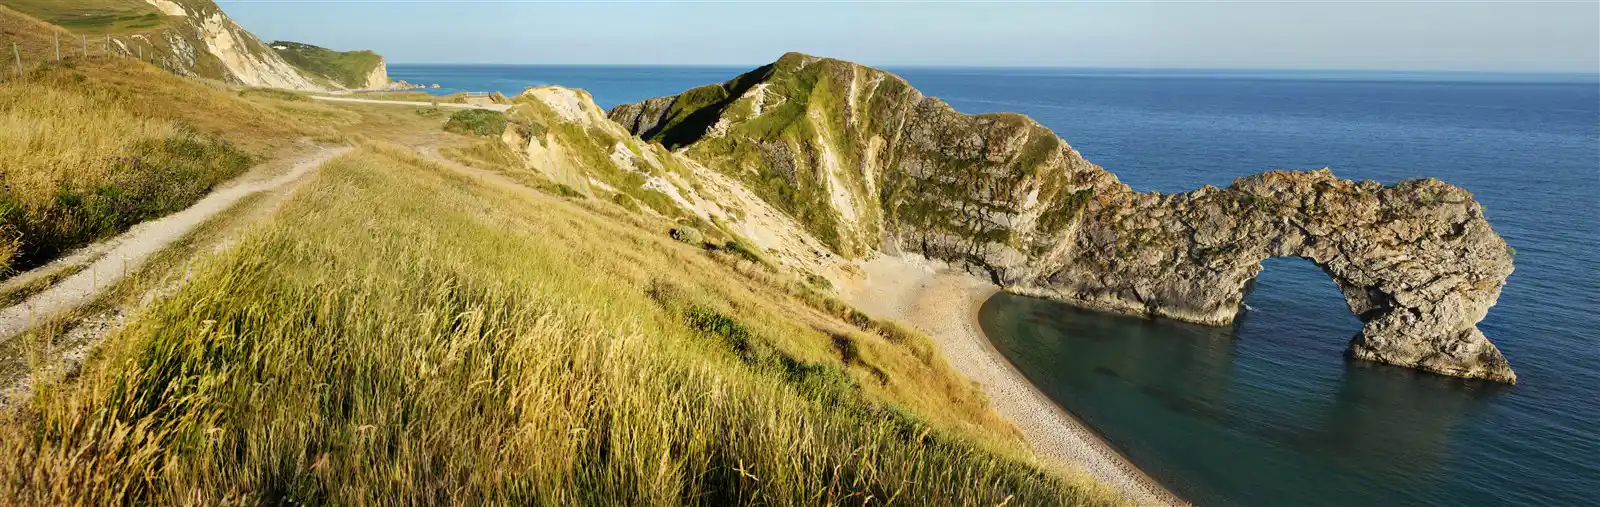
1269 411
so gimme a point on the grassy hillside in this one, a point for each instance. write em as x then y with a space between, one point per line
402 332
95 17
348 69
593 361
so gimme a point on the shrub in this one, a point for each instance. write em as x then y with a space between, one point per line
819 281
738 248
477 122
687 234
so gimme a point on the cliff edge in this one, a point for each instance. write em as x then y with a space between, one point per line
866 163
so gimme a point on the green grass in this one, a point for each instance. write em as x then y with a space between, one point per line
477 122
475 345
93 17
346 68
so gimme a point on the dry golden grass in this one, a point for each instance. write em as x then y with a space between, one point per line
400 334
83 161
35 40
96 146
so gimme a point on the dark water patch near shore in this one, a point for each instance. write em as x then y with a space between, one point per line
1267 412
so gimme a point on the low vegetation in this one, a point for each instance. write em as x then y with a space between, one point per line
477 122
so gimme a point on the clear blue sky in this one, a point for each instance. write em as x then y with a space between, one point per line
1491 36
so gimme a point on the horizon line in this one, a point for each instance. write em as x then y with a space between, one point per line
1563 73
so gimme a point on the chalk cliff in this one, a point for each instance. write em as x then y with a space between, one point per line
866 163
199 39
186 37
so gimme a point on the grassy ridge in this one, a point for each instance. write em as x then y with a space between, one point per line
346 68
525 351
96 17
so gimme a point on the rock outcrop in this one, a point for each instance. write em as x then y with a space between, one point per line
867 163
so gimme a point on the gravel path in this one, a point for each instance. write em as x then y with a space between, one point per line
492 107
127 252
945 305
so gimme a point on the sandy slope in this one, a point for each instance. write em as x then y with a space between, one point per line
944 304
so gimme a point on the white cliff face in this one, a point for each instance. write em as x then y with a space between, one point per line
379 78
169 8
261 67
246 59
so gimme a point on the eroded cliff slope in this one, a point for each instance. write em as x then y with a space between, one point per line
190 38
867 163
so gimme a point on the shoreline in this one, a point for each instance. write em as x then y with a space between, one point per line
944 303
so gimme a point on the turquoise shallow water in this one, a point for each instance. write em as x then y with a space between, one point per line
1269 412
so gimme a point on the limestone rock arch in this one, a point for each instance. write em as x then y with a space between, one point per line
1416 261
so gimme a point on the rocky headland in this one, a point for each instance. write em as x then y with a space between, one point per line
866 164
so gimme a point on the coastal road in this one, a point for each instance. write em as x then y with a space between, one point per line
492 107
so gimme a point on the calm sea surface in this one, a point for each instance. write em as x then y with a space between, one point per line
1269 412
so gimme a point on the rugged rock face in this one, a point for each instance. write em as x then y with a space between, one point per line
378 77
1416 261
205 42
191 38
866 163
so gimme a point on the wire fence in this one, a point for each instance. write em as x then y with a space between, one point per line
25 56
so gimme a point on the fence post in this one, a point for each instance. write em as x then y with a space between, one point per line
108 45
58 46
18 52
86 46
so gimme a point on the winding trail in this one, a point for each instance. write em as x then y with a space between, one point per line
127 252
492 107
